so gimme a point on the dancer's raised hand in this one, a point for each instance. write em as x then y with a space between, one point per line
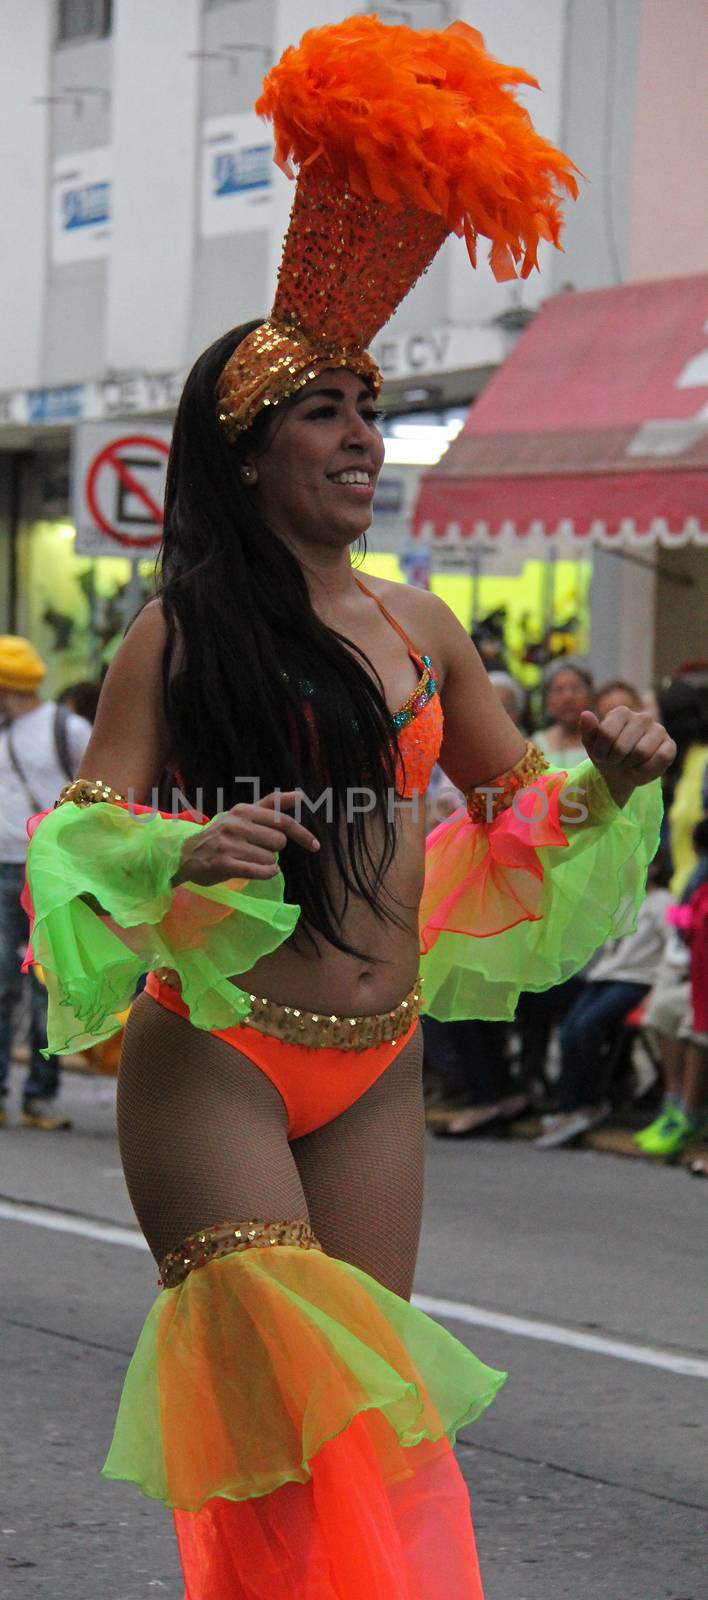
245 842
628 747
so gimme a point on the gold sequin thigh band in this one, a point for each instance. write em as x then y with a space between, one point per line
225 1238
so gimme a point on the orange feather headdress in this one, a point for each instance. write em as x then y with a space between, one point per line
400 138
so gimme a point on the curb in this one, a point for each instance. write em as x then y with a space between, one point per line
609 1140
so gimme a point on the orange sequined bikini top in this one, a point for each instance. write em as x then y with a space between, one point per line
419 721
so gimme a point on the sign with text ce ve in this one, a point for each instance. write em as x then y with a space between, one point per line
118 487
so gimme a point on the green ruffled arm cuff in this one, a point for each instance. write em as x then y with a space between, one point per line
522 904
126 863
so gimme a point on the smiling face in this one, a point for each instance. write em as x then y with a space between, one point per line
315 480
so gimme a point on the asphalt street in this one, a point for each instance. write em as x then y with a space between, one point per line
582 1274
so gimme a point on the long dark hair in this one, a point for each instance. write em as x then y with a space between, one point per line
255 685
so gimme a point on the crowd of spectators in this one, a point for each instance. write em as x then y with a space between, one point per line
626 1040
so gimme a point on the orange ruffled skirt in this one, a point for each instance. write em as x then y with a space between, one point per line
298 1418
347 1534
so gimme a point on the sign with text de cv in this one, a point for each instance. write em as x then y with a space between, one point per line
118 487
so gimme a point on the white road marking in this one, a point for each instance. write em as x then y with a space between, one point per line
642 1355
64 1222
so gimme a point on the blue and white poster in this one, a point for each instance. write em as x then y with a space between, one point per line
237 175
81 206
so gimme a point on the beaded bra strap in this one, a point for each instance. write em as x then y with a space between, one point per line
418 699
483 804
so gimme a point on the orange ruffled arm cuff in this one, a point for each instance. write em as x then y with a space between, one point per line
522 902
483 878
104 910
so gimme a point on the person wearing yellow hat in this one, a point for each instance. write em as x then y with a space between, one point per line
21 668
41 745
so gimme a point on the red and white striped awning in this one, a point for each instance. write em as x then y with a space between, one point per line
596 427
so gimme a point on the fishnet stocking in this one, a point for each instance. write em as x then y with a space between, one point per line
363 1174
203 1139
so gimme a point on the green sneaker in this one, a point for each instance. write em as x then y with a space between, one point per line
670 1136
647 1135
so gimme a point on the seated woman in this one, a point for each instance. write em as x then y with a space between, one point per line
469 1090
621 976
285 1399
567 693
468 1062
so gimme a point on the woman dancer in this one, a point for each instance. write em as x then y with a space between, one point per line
285 1398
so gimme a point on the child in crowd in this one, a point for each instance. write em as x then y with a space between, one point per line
678 1016
617 692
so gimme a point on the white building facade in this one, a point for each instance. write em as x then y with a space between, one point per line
144 217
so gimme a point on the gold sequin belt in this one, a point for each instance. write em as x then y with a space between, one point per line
209 1244
320 1032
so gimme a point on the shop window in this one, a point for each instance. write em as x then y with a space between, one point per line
83 19
75 608
519 621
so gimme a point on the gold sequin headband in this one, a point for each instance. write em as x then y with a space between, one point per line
400 137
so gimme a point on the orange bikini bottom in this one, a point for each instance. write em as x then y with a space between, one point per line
316 1084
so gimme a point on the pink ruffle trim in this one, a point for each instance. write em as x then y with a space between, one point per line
482 878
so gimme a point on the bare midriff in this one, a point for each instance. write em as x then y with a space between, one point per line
318 977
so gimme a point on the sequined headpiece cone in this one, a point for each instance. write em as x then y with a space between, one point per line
400 138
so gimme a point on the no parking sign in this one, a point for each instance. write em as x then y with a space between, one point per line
118 487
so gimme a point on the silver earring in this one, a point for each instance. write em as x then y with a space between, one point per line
247 474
